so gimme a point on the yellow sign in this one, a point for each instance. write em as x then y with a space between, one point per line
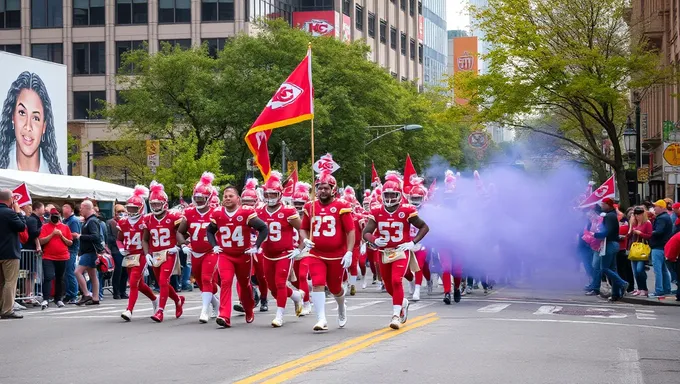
643 175
153 147
292 166
672 154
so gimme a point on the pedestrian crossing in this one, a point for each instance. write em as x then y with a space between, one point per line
374 306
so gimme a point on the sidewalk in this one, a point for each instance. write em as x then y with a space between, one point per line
668 300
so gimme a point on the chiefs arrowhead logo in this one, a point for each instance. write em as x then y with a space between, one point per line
601 191
261 138
286 94
318 27
17 196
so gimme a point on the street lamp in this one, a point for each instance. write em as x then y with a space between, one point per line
629 137
395 128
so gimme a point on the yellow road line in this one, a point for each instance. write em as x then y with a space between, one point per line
346 352
321 354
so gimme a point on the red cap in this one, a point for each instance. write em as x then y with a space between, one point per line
676 206
608 201
54 211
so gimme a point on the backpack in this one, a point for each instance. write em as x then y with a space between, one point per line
105 262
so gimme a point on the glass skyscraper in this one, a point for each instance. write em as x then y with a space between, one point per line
435 50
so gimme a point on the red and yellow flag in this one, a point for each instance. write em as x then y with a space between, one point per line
409 172
292 103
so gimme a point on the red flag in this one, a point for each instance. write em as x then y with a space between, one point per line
433 187
608 189
289 184
21 195
409 171
375 179
292 103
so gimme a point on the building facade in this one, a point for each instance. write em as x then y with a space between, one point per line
659 22
90 36
436 52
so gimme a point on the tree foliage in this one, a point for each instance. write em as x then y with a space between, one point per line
574 61
177 93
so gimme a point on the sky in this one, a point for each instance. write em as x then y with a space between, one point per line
456 17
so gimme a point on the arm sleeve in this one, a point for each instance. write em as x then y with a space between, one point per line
347 222
660 228
94 228
261 228
17 223
606 224
305 221
212 229
32 225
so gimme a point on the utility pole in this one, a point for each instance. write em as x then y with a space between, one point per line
638 146
283 158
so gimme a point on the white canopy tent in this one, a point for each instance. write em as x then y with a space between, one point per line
63 187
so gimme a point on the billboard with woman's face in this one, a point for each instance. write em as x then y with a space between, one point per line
33 120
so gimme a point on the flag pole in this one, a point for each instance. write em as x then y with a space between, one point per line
313 197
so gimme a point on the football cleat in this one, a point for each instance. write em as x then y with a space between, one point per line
321 325
127 315
223 322
204 317
395 323
179 307
277 322
158 317
342 315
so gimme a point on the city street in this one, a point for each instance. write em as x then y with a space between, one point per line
509 336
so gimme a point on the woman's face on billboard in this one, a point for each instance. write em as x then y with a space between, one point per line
29 122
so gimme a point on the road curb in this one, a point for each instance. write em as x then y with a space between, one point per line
667 302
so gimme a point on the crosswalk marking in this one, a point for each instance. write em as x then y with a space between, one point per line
493 308
548 310
364 305
419 306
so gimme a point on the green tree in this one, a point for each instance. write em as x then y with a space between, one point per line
575 60
177 93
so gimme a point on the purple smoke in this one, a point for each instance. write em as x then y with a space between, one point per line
519 226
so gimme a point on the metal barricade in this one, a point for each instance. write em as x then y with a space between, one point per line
29 284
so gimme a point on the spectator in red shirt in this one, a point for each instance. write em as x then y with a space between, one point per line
55 238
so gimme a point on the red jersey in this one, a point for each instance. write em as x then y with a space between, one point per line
394 227
132 235
280 241
163 232
332 223
233 232
197 224
357 218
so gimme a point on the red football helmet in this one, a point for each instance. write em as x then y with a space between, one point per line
249 195
273 189
325 177
203 190
135 204
301 195
418 192
349 195
214 198
158 199
391 190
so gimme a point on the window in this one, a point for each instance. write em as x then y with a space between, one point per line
402 5
403 79
183 43
412 49
345 6
393 38
215 45
126 46
383 31
10 14
84 102
394 75
403 44
420 53
46 14
48 52
88 12
420 7
359 17
11 48
132 12
174 11
371 24
217 10
411 7
89 58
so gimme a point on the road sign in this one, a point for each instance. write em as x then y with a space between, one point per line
478 140
643 175
153 158
672 154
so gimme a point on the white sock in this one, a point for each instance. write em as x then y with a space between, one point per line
215 302
396 310
417 288
296 296
352 280
319 300
279 312
340 300
206 298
